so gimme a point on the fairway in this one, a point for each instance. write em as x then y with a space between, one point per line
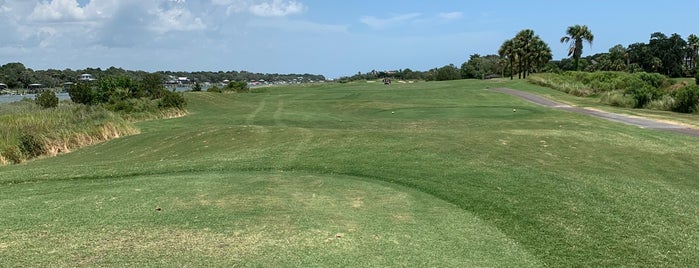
430 174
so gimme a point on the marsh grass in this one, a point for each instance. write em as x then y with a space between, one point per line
30 131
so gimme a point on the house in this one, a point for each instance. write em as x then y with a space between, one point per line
183 80
34 88
67 85
2 86
86 78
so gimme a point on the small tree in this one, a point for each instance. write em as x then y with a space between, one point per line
47 99
172 100
686 99
152 85
196 87
82 93
238 86
214 88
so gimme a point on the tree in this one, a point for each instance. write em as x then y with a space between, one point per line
196 87
540 55
523 47
152 85
692 51
508 51
448 72
47 99
82 93
576 35
527 51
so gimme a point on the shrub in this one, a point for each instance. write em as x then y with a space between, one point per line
617 98
30 144
47 99
214 88
172 100
643 95
663 103
196 87
654 79
238 86
13 154
82 93
686 99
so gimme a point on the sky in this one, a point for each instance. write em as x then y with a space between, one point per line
329 37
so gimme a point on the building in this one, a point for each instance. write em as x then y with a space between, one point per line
86 78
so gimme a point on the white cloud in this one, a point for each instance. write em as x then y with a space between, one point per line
277 8
57 10
450 15
176 19
383 23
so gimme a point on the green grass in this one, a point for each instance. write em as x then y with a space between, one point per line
427 174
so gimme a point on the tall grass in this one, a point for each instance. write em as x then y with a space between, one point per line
29 131
630 90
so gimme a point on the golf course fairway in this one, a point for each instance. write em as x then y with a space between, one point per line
426 174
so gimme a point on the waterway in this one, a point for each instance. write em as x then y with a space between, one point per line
14 98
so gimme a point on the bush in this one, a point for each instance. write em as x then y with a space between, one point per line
618 99
654 79
30 144
663 103
643 95
82 93
214 88
13 154
686 99
47 99
196 87
696 77
238 86
172 100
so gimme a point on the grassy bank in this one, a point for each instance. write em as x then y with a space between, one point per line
425 174
30 131
628 90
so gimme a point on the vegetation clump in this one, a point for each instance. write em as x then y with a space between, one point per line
100 110
631 90
47 99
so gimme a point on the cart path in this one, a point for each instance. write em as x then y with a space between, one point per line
626 119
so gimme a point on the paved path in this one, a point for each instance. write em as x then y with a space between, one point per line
626 119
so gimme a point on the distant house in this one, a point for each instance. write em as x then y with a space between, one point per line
67 85
86 78
34 88
2 86
183 80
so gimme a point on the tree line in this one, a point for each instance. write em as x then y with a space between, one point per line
667 55
16 75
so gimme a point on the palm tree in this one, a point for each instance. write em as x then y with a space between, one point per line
577 34
523 42
692 50
508 51
541 54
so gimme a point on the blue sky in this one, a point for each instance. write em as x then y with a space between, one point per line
333 38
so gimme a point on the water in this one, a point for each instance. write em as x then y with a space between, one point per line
14 98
